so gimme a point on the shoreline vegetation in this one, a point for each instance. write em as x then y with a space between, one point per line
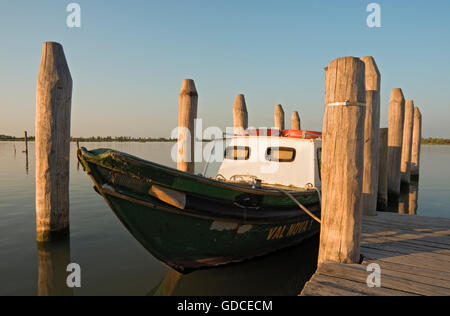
435 141
124 139
94 139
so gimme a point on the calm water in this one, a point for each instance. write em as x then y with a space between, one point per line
113 263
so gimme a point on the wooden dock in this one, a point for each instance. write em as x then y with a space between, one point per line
413 253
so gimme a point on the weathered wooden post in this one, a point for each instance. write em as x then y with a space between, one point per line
382 204
416 144
295 121
343 161
187 113
279 117
395 140
240 114
407 142
53 108
371 137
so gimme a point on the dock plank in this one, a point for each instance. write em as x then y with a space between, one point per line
389 279
333 286
413 253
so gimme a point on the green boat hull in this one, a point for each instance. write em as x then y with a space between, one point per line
204 236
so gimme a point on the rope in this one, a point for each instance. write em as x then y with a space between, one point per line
300 205
346 103
311 186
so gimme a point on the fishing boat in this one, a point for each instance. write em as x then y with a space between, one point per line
265 196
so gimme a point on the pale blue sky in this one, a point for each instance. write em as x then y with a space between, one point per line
129 58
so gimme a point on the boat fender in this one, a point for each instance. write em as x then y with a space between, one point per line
171 197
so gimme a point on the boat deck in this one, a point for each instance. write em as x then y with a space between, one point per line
413 253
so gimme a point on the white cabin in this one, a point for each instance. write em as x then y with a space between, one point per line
274 160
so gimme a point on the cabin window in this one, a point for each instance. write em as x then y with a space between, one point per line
280 154
237 153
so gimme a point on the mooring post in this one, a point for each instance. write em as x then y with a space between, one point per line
187 113
371 137
395 140
53 108
295 121
342 161
240 114
279 117
416 144
383 171
407 142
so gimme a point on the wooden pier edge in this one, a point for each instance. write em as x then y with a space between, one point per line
413 253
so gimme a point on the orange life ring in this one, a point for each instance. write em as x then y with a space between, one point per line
301 134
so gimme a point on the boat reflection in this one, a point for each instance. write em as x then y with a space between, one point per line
282 273
53 259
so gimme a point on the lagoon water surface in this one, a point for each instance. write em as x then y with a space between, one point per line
113 263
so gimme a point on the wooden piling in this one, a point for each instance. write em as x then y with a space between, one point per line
416 143
395 140
342 161
382 203
187 113
407 142
240 114
53 108
295 121
371 137
279 117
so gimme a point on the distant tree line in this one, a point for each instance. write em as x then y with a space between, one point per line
97 139
435 141
125 139
13 138
121 139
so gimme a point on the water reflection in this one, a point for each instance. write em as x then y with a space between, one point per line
53 259
407 201
282 273
413 198
26 163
